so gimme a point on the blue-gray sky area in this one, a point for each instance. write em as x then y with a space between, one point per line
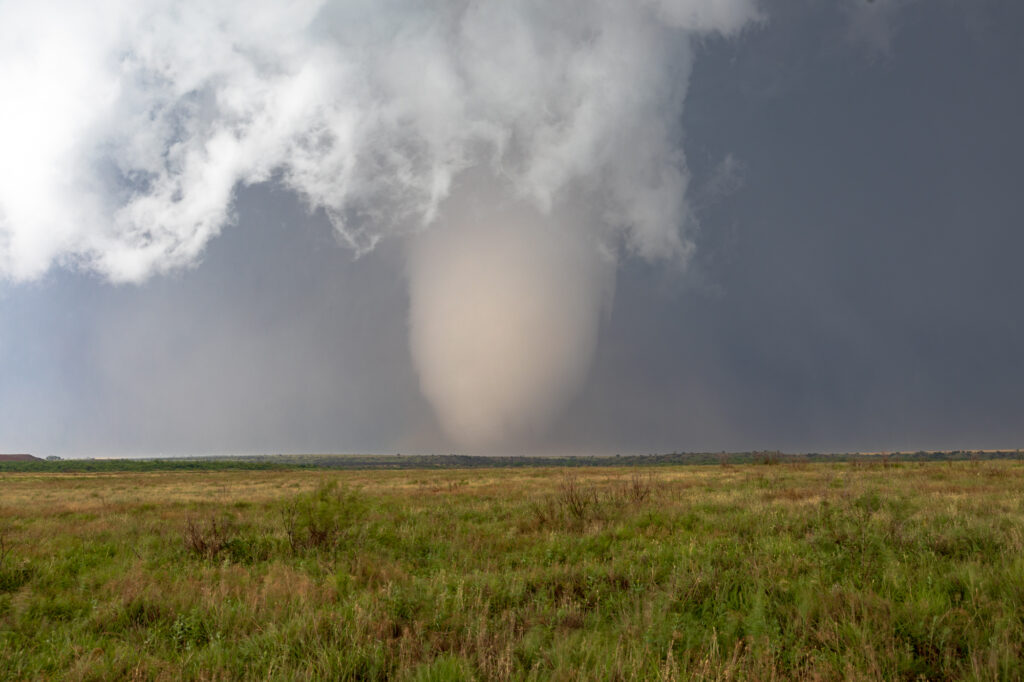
799 228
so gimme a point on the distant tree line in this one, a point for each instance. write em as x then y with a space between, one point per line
452 461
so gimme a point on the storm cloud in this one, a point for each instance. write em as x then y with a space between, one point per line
748 224
129 127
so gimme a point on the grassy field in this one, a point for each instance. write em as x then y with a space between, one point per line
753 571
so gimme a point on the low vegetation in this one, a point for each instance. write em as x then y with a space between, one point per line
881 570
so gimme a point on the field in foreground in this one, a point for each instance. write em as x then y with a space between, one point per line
833 571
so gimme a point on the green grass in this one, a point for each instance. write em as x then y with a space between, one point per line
817 571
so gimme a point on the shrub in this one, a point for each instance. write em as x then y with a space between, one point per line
317 521
574 505
208 540
221 538
191 630
578 502
636 490
12 577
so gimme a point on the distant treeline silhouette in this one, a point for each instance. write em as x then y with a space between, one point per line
453 461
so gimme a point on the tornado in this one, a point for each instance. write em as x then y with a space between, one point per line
505 303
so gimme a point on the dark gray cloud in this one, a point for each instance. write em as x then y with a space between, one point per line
862 288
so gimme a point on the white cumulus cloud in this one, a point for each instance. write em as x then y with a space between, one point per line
125 126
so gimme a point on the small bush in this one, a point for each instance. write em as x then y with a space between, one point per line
249 550
208 540
140 613
190 630
12 576
578 502
636 490
220 538
574 505
317 521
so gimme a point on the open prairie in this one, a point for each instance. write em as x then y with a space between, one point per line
753 571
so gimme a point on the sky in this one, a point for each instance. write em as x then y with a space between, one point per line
672 225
